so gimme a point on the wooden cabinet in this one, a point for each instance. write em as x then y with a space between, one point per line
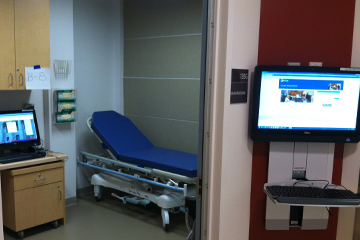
24 40
33 195
7 39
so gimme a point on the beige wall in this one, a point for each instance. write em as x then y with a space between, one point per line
351 165
162 50
230 180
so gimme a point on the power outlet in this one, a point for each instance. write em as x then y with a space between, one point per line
294 63
315 64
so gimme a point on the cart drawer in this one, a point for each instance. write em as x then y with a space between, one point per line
38 178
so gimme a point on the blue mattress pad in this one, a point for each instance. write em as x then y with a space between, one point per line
127 143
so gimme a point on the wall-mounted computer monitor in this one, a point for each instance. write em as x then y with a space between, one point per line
305 104
18 129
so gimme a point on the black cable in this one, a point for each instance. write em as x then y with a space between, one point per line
57 156
328 183
335 186
328 211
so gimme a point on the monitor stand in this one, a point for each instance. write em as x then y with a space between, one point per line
299 160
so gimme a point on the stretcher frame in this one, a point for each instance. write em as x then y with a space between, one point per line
167 190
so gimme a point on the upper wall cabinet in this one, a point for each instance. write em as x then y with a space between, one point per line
7 53
24 40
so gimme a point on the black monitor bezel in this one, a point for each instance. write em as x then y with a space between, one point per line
286 135
22 144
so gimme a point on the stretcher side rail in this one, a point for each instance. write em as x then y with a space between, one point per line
116 162
184 189
135 178
155 172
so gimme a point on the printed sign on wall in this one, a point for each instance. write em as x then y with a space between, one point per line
37 78
239 85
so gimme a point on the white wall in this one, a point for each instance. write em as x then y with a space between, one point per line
235 178
98 47
61 137
88 33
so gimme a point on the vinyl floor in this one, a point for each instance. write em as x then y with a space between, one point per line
108 219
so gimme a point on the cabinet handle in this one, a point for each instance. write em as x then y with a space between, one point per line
12 79
60 193
40 179
22 79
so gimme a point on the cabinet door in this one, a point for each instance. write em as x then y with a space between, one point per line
32 36
7 52
39 205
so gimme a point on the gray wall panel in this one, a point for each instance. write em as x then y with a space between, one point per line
175 99
167 133
167 57
148 18
162 59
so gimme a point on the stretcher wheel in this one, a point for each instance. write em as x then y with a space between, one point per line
165 217
55 224
21 234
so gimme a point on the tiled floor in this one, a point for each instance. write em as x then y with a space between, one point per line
108 219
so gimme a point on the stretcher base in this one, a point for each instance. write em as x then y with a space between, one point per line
166 199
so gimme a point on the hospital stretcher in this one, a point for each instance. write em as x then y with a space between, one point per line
148 173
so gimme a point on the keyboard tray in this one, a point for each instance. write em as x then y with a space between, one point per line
302 196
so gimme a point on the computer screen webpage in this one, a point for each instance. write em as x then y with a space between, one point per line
308 100
17 127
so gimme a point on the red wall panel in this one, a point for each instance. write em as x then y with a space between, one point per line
306 30
299 31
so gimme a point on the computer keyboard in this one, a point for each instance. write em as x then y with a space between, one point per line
312 195
20 156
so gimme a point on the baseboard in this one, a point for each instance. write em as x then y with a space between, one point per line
70 201
85 190
79 192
